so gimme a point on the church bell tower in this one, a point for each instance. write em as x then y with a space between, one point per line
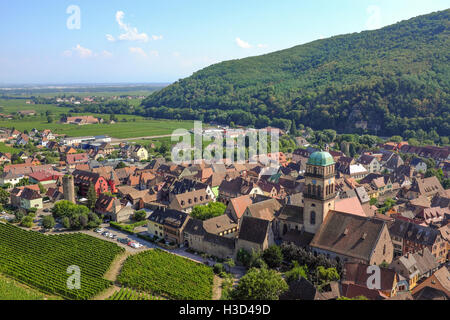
319 191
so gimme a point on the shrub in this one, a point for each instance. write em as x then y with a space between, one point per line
218 268
273 256
140 215
48 222
27 222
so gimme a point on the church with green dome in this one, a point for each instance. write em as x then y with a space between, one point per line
321 158
320 190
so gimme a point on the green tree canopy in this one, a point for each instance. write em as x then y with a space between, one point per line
260 284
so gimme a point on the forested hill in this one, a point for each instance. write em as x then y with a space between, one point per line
391 79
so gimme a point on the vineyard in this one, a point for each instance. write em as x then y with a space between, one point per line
42 261
167 275
12 290
129 294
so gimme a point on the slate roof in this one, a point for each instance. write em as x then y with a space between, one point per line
264 209
414 232
254 229
170 217
291 213
349 235
366 159
219 224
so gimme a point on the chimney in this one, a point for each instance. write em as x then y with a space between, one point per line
363 237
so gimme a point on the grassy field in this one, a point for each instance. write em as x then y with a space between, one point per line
135 126
6 149
165 274
13 290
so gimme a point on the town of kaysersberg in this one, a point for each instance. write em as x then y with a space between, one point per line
263 154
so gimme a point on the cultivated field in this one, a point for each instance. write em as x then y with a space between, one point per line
13 290
165 274
129 294
135 126
42 261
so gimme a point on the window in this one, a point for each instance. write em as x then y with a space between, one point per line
312 219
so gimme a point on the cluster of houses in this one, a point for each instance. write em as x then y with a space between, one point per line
320 200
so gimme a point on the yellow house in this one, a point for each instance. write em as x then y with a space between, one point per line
155 227
406 266
139 153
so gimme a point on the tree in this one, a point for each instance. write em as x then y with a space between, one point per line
140 215
273 256
244 257
296 273
260 284
66 222
48 222
373 201
42 189
327 275
4 196
23 182
91 197
230 263
213 209
163 148
27 222
121 165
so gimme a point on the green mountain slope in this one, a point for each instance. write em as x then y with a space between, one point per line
392 79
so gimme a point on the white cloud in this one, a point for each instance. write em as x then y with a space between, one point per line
374 21
262 45
83 52
67 53
129 33
157 37
138 51
243 44
106 54
110 38
154 53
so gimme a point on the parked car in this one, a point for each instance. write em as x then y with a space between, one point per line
135 245
99 230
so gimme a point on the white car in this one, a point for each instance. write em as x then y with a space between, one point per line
135 245
99 230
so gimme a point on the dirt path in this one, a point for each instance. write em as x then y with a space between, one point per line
217 288
112 274
116 266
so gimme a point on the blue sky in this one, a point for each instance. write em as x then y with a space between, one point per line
163 41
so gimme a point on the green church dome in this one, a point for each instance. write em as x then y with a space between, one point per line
321 158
